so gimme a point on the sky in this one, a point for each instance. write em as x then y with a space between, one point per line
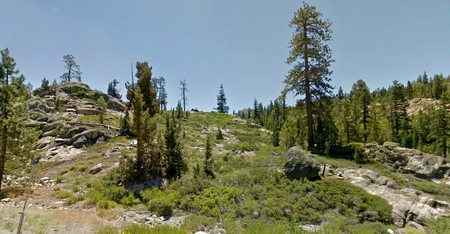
240 44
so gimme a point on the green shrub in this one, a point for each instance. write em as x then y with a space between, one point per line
159 201
140 229
213 201
63 194
437 226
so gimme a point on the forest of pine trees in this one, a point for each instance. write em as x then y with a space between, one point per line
365 116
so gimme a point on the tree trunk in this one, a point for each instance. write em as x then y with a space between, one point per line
308 96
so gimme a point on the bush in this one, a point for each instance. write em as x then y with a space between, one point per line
159 201
138 229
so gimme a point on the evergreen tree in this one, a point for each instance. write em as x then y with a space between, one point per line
138 126
311 57
275 124
438 86
179 110
293 130
102 103
161 94
208 167
440 123
125 128
144 84
219 135
45 84
256 113
175 164
398 117
222 102
360 95
73 69
326 130
16 139
113 90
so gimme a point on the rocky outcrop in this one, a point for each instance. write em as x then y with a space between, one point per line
300 164
406 160
88 137
410 207
248 123
115 104
420 104
74 87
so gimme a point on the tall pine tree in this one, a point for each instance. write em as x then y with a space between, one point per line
16 139
311 57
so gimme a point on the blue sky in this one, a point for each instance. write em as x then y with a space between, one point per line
240 44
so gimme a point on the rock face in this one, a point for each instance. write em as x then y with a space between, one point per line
410 207
406 160
300 164
61 125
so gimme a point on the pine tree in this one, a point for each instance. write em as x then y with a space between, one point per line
311 57
16 139
175 164
292 132
398 118
360 96
144 84
179 110
222 102
112 89
440 123
102 103
138 126
125 128
45 84
219 135
161 94
275 124
73 69
208 160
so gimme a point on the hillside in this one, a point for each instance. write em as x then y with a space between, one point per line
76 190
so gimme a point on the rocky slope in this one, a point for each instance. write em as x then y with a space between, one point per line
61 116
68 118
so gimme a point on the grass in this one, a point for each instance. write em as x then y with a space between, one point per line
138 229
250 194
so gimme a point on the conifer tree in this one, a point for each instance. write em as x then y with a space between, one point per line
138 125
113 90
440 123
208 160
125 128
16 139
360 94
102 103
179 110
144 84
222 102
311 57
256 113
398 117
73 69
161 94
275 124
175 164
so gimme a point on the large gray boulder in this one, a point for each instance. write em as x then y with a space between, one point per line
300 164
115 104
